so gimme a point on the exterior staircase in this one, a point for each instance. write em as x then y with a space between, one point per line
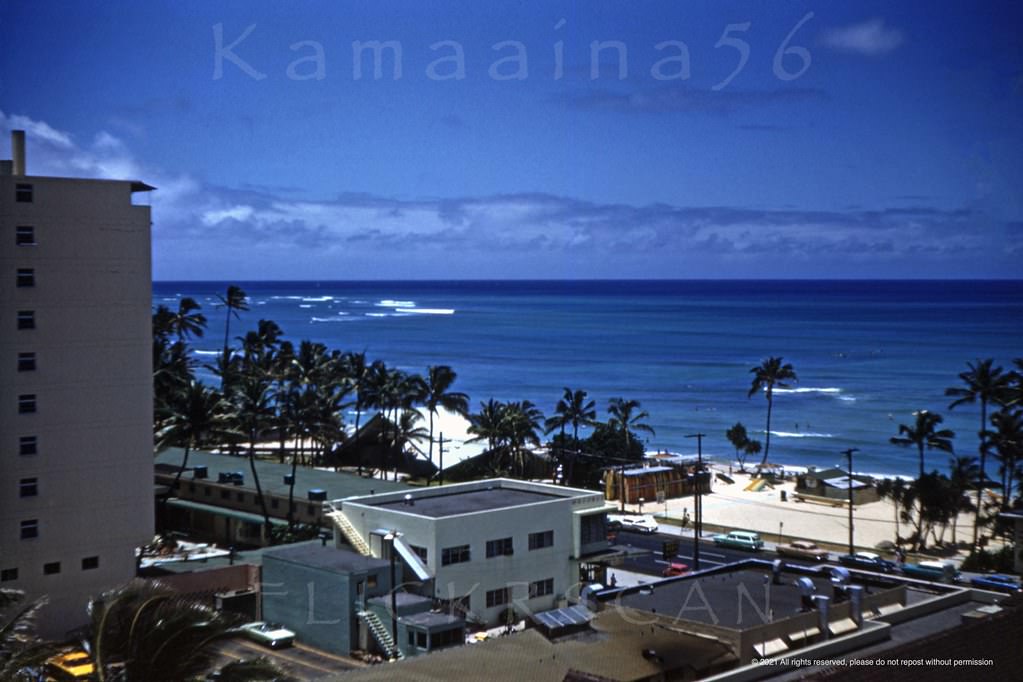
348 531
381 634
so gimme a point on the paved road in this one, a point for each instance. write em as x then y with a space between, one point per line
300 661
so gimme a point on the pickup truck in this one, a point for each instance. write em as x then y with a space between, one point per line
938 571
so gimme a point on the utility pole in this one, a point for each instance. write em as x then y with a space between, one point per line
698 500
849 453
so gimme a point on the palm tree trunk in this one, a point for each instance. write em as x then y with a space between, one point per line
920 447
767 436
291 493
355 435
259 489
430 455
184 463
983 471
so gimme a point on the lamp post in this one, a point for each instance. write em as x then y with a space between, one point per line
390 537
698 501
849 453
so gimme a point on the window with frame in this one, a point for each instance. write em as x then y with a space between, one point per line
541 540
29 529
24 235
454 555
8 574
420 639
502 547
23 193
28 445
52 568
26 362
420 552
28 487
541 588
90 563
26 277
26 319
498 597
26 403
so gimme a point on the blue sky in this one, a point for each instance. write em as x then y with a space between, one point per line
798 139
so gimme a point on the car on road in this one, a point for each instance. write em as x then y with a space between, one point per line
941 571
675 568
643 523
802 549
996 581
273 635
868 561
740 539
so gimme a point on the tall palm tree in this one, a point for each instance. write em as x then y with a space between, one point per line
964 475
234 300
253 416
987 385
486 424
1007 438
520 425
625 416
21 648
192 418
766 376
922 434
188 321
438 394
355 371
576 410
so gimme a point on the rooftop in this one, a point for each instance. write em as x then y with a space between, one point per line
313 553
467 501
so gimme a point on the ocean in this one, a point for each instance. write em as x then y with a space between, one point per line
867 353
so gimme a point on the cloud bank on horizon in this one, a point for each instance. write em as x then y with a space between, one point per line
767 178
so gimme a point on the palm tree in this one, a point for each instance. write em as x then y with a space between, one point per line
21 649
766 376
439 379
895 490
922 434
1007 437
520 424
625 417
987 385
253 414
192 418
574 409
407 436
964 475
234 300
188 321
355 370
486 424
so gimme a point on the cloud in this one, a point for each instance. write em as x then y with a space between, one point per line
871 38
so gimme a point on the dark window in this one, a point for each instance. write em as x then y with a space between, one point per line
241 497
502 547
8 574
497 597
28 445
26 403
593 529
208 490
312 510
26 319
26 277
454 555
52 568
26 362
420 552
541 588
371 581
274 503
23 193
28 487
421 640
191 487
225 494
25 235
29 529
90 563
541 540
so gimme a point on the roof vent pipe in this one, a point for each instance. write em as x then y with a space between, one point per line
18 152
822 603
856 604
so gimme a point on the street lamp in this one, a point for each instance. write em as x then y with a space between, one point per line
849 453
698 500
391 537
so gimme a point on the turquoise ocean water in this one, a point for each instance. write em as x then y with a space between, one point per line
868 353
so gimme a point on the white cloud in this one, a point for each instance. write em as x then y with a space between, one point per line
871 38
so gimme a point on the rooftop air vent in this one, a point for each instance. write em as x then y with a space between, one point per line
289 479
200 472
317 495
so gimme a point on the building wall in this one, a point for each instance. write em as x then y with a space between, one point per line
93 387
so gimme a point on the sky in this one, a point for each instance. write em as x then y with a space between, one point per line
539 140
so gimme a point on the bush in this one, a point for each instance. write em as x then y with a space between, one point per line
983 561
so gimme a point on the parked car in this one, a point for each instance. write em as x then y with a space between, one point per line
868 561
641 524
675 568
943 571
273 635
803 549
996 581
740 539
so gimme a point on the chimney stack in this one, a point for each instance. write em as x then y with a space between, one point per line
18 151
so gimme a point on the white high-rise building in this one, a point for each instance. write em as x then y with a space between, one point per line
76 440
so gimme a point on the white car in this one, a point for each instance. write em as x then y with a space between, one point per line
640 524
273 635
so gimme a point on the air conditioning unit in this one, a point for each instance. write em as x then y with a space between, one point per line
200 472
317 495
289 479
238 478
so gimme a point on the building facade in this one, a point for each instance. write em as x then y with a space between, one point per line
75 386
484 548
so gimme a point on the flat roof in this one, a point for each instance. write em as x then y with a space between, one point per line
467 501
330 558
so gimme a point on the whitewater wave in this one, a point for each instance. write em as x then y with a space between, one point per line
305 305
340 318
212 353
426 311
805 434
317 299
828 390
389 303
